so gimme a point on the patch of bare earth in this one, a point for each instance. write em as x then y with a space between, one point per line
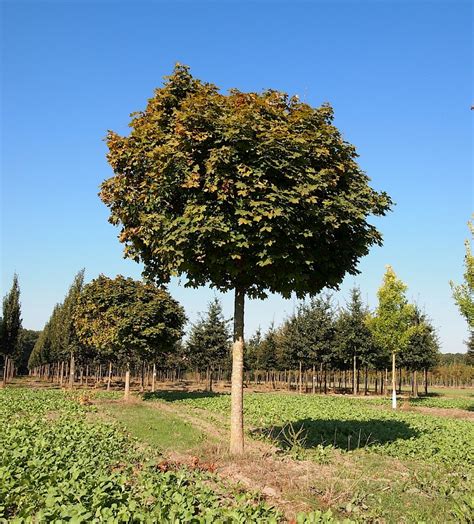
445 412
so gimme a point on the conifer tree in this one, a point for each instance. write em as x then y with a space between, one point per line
208 345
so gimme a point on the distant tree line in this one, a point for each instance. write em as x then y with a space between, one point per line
112 329
115 329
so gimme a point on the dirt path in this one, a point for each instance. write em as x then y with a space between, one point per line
444 412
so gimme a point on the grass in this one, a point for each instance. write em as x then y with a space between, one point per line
161 430
375 464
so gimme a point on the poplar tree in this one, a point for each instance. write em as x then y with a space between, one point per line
249 192
10 325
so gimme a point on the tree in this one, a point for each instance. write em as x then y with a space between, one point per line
464 294
250 192
209 340
354 339
11 324
392 323
125 319
68 339
26 343
422 349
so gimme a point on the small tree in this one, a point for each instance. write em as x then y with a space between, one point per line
250 192
464 294
11 325
26 343
209 341
392 323
354 339
125 319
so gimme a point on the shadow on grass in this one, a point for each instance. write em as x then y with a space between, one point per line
172 396
342 434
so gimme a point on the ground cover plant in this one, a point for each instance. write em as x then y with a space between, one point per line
434 455
57 464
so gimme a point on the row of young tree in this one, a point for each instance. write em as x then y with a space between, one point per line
122 324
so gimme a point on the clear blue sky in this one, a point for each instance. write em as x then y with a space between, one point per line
397 73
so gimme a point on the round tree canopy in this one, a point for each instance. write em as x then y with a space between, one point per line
250 191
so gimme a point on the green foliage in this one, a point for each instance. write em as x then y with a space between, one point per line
59 340
422 349
464 293
392 323
124 319
308 336
11 320
256 191
208 345
57 465
26 343
353 336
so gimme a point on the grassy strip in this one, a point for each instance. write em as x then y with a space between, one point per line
161 431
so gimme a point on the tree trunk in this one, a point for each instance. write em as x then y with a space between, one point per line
237 390
426 381
415 384
354 374
5 371
366 381
394 382
210 380
71 371
61 376
300 379
109 376
153 378
126 395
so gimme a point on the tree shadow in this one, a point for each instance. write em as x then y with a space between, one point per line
341 434
172 396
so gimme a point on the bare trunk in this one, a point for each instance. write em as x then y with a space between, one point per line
354 375
61 376
71 371
127 383
109 376
153 378
5 371
300 379
237 390
426 381
415 384
394 382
